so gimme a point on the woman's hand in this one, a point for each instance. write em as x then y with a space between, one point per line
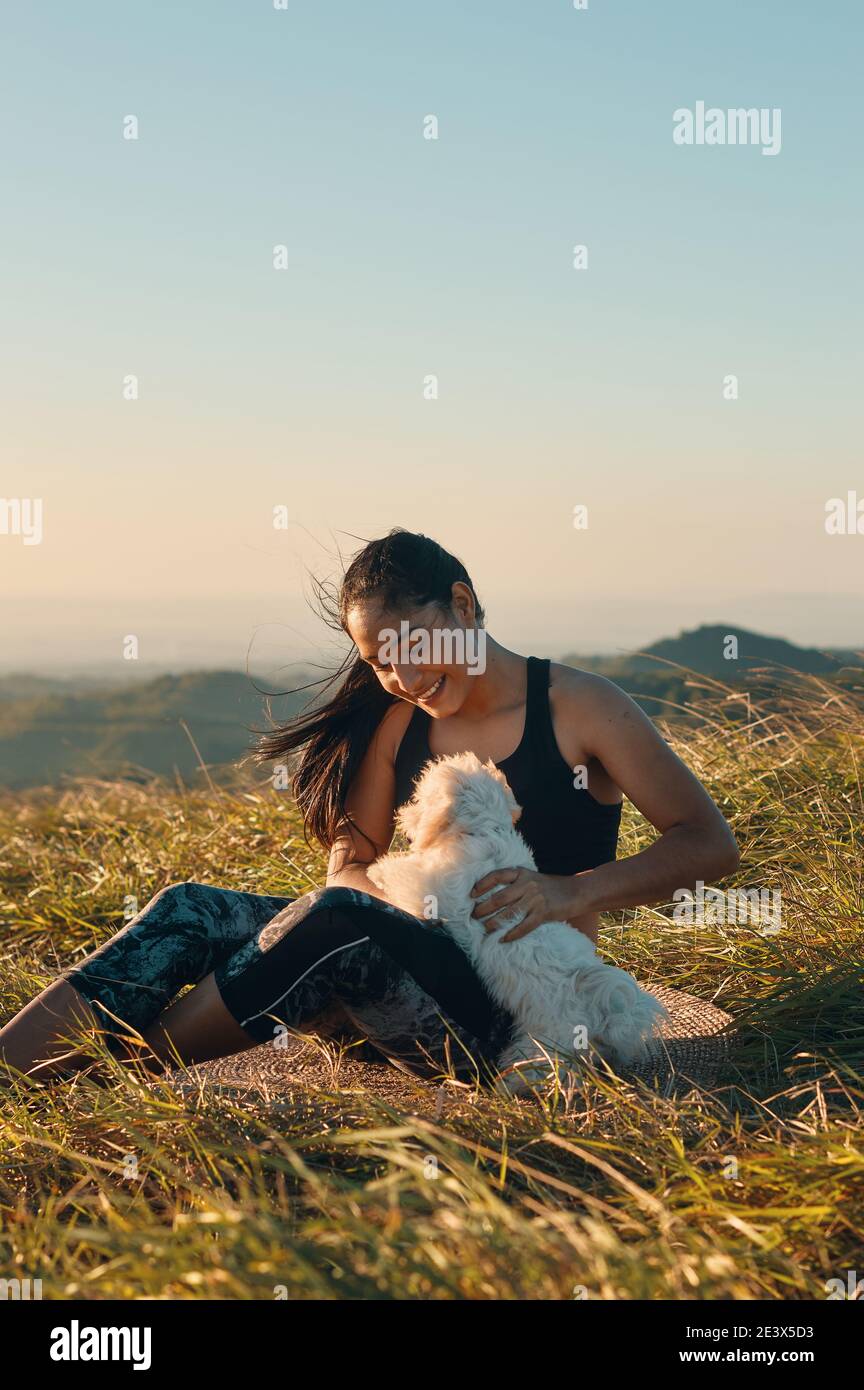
542 897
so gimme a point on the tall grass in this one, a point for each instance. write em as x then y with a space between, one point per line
117 1186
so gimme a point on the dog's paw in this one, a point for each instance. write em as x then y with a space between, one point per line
535 1076
525 1068
519 1081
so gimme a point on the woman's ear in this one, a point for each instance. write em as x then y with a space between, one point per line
462 602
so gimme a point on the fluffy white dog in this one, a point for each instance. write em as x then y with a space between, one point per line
461 825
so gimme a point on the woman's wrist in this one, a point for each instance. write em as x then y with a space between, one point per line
583 896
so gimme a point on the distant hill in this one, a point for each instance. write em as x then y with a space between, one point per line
659 686
703 650
48 731
24 686
56 728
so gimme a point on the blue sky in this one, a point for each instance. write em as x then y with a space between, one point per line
408 257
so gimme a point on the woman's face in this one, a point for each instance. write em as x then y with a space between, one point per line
425 655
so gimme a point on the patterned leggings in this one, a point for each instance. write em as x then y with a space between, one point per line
301 963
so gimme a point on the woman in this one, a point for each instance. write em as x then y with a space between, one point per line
570 744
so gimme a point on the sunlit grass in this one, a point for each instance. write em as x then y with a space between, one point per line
117 1186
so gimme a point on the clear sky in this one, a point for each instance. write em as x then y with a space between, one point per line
303 387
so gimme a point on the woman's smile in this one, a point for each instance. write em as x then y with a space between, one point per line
431 693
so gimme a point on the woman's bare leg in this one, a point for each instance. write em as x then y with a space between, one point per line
37 1040
180 936
197 1028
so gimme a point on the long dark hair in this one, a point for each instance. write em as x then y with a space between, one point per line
402 570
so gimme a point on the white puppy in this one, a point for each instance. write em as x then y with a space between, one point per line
461 825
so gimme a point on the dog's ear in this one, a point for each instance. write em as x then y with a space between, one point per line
422 824
408 818
512 804
429 813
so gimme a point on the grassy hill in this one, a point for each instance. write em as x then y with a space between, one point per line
138 730
342 1189
665 677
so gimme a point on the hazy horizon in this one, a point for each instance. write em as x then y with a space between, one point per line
282 662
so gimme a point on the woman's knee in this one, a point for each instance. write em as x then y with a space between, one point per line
172 898
171 892
336 896
164 911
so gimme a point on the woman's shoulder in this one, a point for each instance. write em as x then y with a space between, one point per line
575 688
587 712
587 704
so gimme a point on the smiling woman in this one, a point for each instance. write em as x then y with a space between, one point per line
344 953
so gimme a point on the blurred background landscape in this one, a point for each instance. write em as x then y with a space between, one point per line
54 728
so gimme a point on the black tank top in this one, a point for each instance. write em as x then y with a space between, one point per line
567 829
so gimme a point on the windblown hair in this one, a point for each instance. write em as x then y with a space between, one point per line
401 571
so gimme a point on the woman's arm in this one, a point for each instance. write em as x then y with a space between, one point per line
369 804
695 841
